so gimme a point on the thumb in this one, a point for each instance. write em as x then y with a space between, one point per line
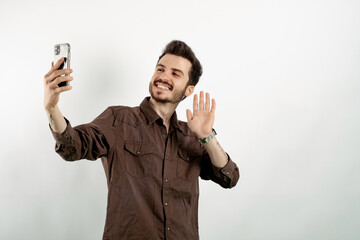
188 115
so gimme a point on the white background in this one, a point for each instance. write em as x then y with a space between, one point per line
286 77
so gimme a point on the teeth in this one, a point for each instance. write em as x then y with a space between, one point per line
162 87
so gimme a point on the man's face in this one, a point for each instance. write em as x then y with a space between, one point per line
169 82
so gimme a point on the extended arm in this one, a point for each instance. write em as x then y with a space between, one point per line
52 94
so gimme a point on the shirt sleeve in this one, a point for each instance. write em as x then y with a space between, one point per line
87 141
227 177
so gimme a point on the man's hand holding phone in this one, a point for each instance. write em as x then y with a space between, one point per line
52 89
51 84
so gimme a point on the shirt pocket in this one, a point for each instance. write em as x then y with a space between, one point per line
188 164
140 159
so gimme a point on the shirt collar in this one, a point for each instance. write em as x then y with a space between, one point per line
152 116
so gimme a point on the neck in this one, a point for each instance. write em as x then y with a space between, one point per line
164 110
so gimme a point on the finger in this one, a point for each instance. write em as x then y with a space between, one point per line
213 105
207 102
63 89
58 73
46 77
201 102
188 115
56 66
195 103
57 81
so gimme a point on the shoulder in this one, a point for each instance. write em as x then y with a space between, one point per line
119 109
125 114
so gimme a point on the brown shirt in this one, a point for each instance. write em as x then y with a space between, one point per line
152 175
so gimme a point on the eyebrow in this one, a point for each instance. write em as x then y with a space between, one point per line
174 69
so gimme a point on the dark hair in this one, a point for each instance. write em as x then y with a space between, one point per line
180 49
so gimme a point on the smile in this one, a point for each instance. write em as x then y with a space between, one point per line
163 85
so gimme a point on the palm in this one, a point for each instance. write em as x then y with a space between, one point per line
202 119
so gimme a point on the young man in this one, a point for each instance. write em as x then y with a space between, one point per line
152 161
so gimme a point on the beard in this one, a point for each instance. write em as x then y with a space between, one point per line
177 95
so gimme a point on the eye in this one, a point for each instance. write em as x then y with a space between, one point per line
175 74
160 70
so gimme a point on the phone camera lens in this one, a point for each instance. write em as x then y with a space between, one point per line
57 50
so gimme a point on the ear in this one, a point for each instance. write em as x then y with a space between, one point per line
189 90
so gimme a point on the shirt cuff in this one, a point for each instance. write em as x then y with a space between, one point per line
227 170
64 137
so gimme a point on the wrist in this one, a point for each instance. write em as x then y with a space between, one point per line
208 138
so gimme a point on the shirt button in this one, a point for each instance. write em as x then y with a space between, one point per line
166 180
138 152
168 228
166 204
163 136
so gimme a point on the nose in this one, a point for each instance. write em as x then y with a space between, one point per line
165 75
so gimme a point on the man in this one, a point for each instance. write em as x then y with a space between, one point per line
152 161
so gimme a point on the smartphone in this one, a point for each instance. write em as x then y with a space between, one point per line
63 50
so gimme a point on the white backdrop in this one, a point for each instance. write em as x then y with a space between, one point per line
286 78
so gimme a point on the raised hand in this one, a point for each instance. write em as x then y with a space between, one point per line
201 120
51 81
52 93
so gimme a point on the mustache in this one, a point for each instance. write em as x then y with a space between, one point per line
169 85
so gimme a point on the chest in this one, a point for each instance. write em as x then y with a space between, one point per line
150 152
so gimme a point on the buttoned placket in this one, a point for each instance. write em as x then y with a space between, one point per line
165 185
